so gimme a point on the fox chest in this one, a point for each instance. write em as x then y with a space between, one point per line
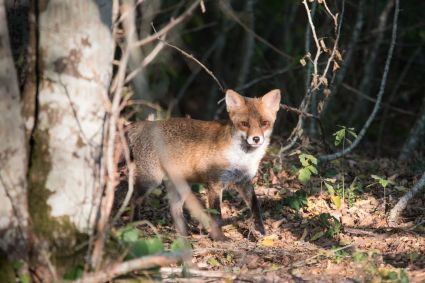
242 165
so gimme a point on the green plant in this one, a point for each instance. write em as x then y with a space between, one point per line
344 135
297 200
335 198
308 163
393 276
330 227
340 255
384 184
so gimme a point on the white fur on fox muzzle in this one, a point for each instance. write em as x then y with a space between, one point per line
255 141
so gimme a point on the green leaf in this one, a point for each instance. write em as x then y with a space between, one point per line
312 169
392 275
180 244
155 245
330 188
404 278
75 273
359 256
352 133
304 175
303 160
311 158
339 136
213 262
137 249
212 211
297 200
317 236
383 182
130 234
26 279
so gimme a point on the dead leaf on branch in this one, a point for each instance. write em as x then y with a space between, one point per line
323 45
338 55
335 66
324 80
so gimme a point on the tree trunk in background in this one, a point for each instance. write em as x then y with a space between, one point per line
248 44
415 138
75 53
369 70
13 157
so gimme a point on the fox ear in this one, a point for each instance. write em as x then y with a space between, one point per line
233 100
271 100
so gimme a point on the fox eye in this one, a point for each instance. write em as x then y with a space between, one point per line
264 124
244 124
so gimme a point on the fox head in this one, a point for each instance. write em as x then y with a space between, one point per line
253 118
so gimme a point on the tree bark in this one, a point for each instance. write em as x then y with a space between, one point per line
75 52
13 157
402 203
415 138
369 69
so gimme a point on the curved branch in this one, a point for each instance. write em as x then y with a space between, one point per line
402 203
372 116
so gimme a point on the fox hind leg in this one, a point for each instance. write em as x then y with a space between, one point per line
215 191
176 207
143 186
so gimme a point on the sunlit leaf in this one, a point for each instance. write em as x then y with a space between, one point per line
336 200
304 175
213 262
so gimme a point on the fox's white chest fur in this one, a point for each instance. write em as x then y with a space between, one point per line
243 164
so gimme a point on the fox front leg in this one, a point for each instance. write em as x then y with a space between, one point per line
246 190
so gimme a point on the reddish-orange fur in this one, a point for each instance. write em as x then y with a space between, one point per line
218 153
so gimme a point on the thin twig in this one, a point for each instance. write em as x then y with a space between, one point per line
379 96
191 57
299 112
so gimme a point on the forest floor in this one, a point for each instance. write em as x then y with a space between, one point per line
316 232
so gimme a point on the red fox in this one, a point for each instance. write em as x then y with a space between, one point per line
221 154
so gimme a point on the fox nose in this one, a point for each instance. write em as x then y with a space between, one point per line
256 139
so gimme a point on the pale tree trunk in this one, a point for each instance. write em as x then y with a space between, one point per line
75 53
369 69
415 139
402 202
13 157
